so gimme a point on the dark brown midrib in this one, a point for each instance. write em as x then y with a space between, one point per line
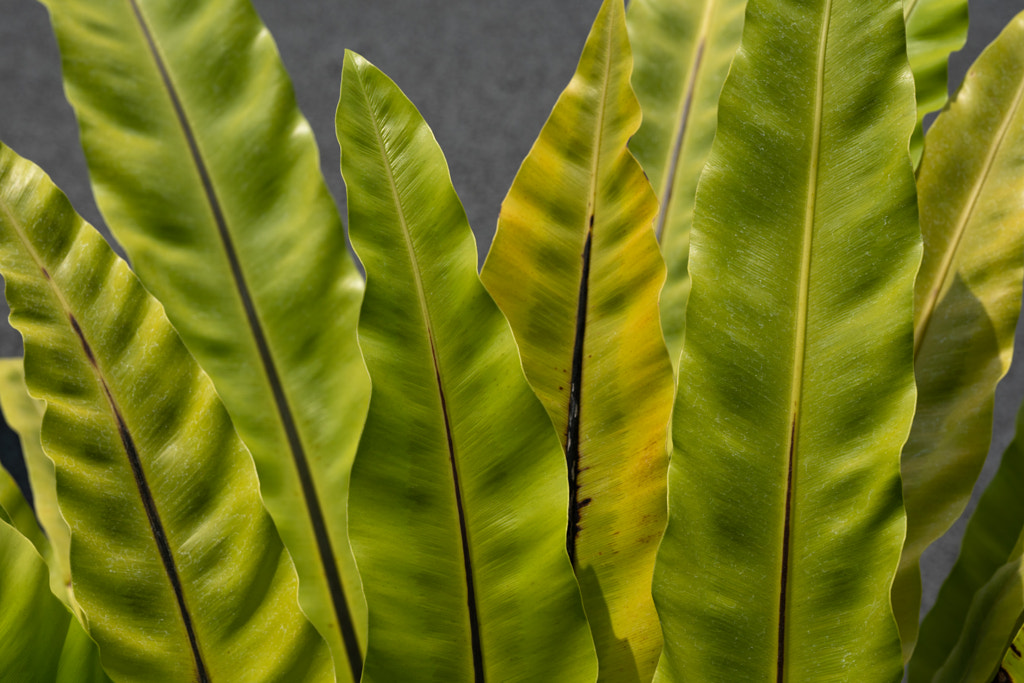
467 564
299 457
677 149
572 436
783 590
152 515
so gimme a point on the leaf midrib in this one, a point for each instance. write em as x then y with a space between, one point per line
574 418
800 351
666 195
314 510
966 214
474 622
157 531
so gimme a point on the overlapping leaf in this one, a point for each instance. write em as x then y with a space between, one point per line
39 639
967 300
785 520
576 270
24 415
33 623
208 175
681 52
176 564
935 29
459 492
981 604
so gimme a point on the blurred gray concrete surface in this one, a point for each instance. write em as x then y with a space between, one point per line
484 74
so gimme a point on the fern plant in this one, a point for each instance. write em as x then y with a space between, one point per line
727 370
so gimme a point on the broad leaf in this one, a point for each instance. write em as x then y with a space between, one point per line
797 387
935 29
682 52
24 414
208 175
967 300
575 268
176 565
459 492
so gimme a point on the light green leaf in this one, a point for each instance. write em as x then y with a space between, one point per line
459 493
576 270
175 563
33 623
681 52
935 29
796 387
967 300
208 175
24 414
19 513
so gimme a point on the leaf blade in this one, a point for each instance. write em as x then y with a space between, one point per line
798 352
207 173
967 301
458 462
158 491
589 337
682 52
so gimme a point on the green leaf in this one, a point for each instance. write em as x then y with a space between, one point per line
19 513
176 565
33 623
989 564
208 175
935 29
459 492
575 268
682 52
24 415
796 386
1012 669
967 299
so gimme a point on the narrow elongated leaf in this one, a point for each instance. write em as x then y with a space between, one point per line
988 565
24 414
19 514
681 52
38 640
935 29
33 623
785 522
459 492
576 270
967 300
208 175
176 565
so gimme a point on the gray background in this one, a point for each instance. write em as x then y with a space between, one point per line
483 73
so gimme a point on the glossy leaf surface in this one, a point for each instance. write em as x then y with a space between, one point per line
935 29
459 492
785 521
967 301
576 270
176 564
681 53
208 175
